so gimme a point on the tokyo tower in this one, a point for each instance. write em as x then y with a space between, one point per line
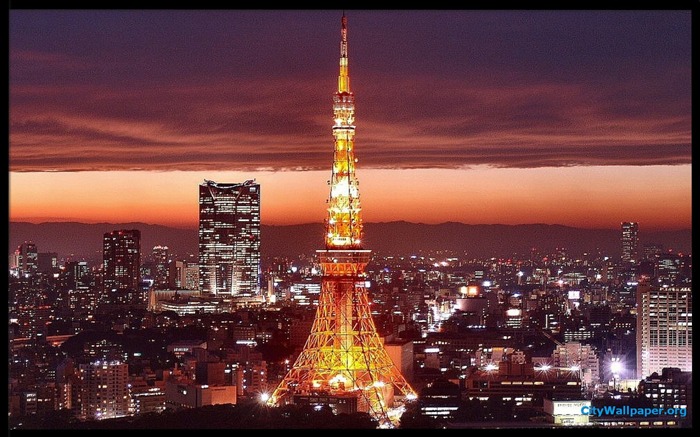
344 358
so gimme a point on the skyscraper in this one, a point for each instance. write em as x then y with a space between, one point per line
161 267
121 253
229 238
664 328
630 242
344 361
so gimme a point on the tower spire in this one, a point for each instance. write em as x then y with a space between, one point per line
343 78
344 223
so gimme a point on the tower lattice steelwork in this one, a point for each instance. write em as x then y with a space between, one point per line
344 358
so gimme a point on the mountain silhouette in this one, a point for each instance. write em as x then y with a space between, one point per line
82 241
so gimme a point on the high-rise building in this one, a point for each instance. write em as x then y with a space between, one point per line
104 390
75 274
177 274
664 328
25 259
229 238
344 360
191 277
630 242
161 267
121 275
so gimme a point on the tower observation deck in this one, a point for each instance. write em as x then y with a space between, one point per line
344 358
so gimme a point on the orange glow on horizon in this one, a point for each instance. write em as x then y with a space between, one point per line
586 197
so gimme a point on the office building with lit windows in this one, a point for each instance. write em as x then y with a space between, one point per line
24 261
582 358
664 328
121 251
229 239
105 390
522 383
670 388
629 239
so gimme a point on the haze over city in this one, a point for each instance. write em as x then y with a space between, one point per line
580 118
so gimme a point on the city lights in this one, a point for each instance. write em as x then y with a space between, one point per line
321 319
490 367
616 366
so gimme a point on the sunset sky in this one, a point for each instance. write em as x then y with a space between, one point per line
580 118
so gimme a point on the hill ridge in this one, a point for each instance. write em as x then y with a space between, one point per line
84 240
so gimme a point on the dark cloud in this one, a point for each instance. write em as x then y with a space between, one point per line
246 90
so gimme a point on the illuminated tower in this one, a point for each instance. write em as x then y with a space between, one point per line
344 360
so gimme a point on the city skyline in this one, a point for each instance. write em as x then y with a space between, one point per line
580 118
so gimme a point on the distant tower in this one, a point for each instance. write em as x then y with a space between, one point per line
344 360
630 242
121 253
229 238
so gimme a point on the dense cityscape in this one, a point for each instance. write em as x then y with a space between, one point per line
553 326
232 338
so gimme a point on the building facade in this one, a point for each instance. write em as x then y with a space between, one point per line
229 239
161 267
24 261
671 388
105 390
522 383
575 355
629 239
121 252
664 328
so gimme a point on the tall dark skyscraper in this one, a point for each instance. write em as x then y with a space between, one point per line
121 252
229 238
161 267
630 242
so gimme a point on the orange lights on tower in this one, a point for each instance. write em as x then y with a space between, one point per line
344 358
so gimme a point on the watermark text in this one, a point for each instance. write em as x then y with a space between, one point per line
626 410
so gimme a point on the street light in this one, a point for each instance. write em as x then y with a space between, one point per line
616 368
